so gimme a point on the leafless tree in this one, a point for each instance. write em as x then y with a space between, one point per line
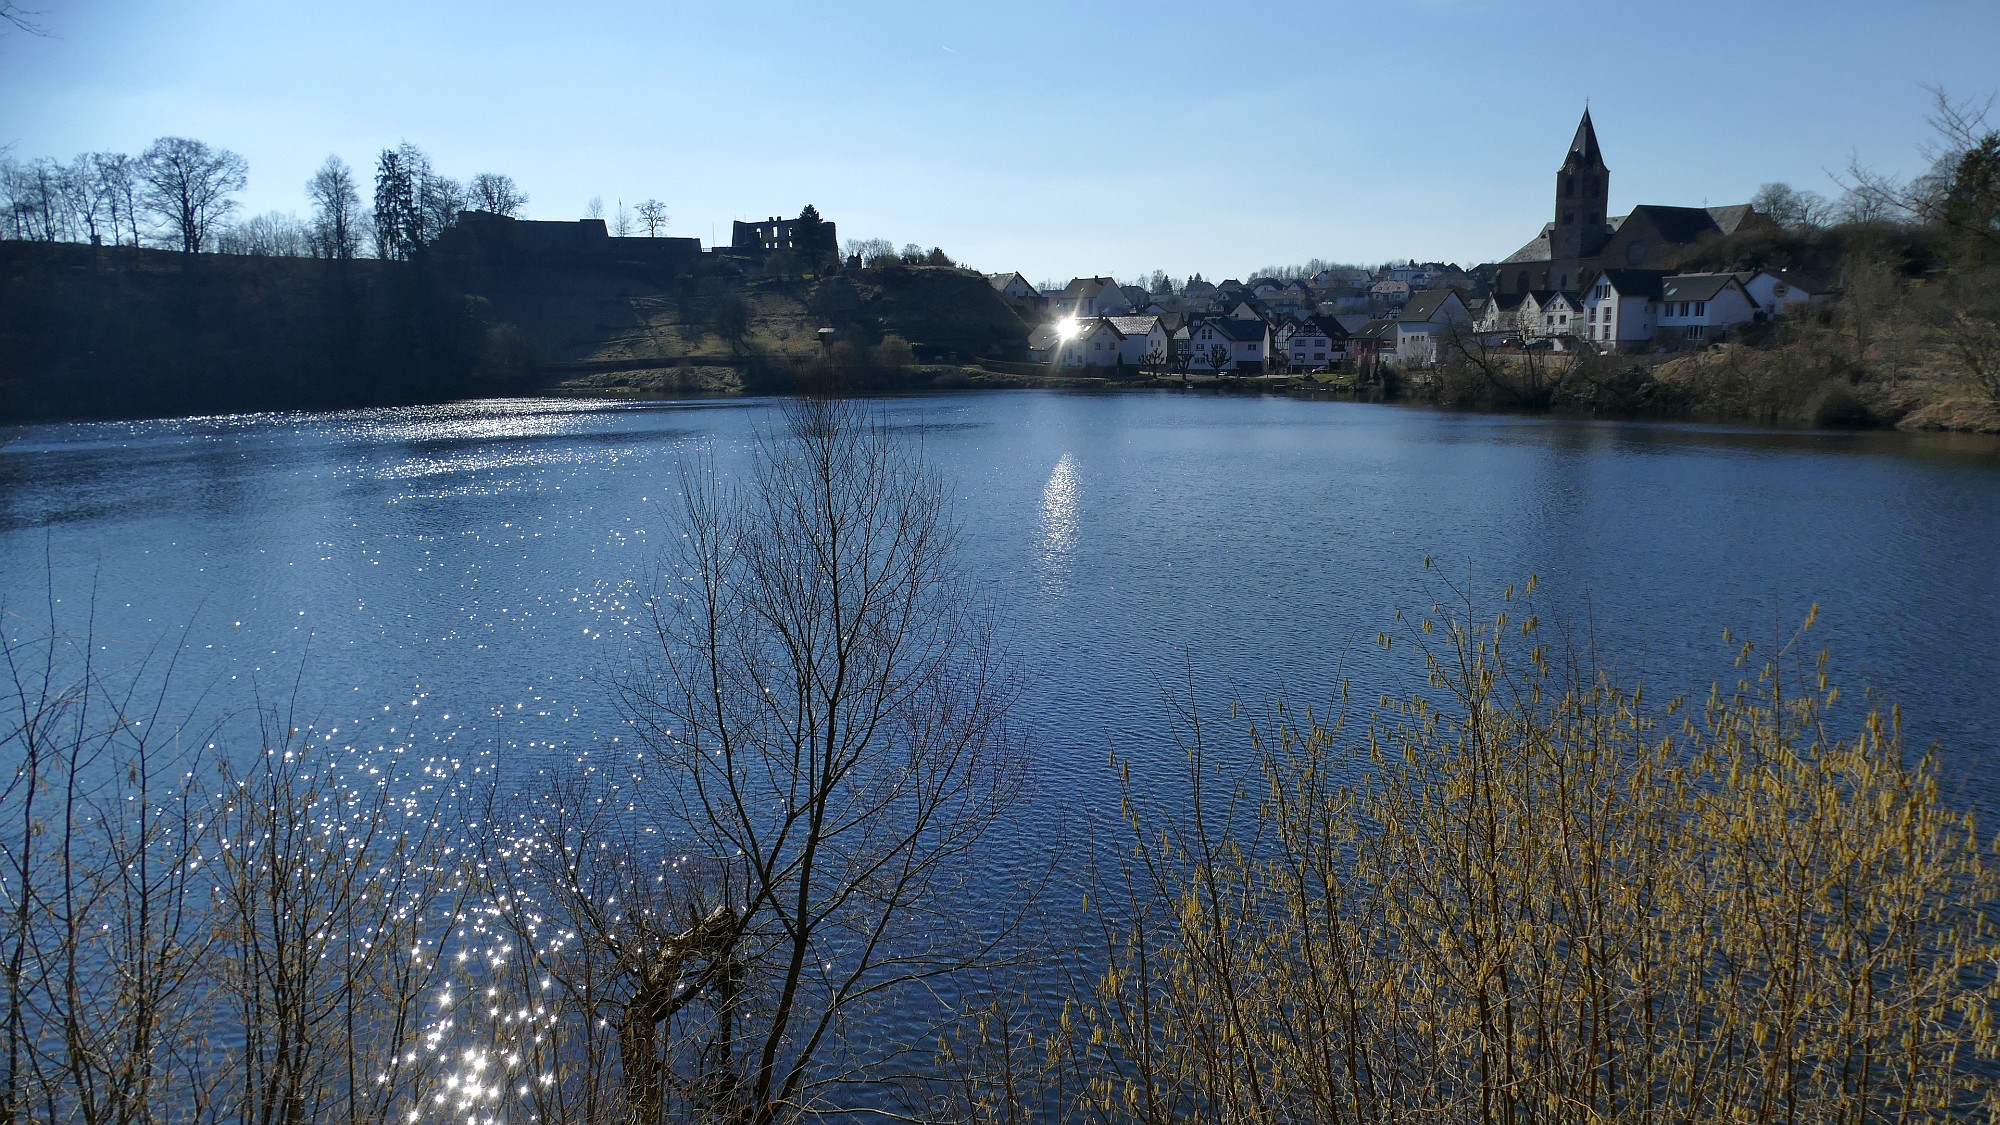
595 208
1791 208
491 191
621 221
336 200
824 714
35 210
440 199
1961 191
653 216
21 19
100 885
188 184
274 234
333 889
117 177
871 250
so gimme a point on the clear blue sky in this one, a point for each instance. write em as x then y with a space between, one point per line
1053 138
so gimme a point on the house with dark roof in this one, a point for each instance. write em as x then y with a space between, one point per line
1778 292
1429 317
1223 343
1582 239
1622 310
1315 343
1090 296
1704 306
1013 286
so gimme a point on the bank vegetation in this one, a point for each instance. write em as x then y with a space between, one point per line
1527 891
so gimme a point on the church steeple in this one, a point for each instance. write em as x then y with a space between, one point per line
1583 186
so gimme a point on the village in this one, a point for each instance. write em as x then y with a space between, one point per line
1588 282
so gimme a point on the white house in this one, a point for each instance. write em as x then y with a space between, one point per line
1550 314
1623 308
1427 319
1415 275
1317 343
1013 286
1777 291
1225 343
1090 296
1141 340
1704 306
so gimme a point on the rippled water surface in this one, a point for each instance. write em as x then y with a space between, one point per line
460 579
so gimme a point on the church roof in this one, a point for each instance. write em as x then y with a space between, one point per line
1731 217
1681 226
1537 249
1583 147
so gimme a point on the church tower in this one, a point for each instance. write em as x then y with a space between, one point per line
1582 188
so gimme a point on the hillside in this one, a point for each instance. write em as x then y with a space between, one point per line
122 332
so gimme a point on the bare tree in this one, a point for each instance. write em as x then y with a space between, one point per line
495 193
188 184
274 234
440 199
117 177
653 216
1790 208
21 19
1961 191
621 221
872 250
595 208
34 191
336 200
824 714
84 198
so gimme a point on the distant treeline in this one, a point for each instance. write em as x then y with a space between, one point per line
179 195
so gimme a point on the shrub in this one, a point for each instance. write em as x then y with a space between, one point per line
1527 895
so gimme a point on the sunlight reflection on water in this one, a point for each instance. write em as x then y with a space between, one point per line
1060 516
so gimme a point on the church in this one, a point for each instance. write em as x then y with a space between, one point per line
1580 241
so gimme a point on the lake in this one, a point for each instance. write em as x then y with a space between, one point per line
458 580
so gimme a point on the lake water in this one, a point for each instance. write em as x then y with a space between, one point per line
458 579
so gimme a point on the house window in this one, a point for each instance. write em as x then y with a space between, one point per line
1701 308
1694 331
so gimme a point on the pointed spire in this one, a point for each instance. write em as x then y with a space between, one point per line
1583 147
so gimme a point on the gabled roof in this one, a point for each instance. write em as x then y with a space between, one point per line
1678 225
1084 288
1376 330
1797 279
1044 338
1635 283
1695 286
1355 323
1239 330
1424 306
1325 326
1002 280
1727 219
1133 325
